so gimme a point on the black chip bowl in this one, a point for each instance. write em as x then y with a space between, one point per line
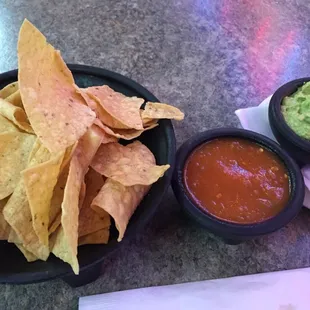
234 233
296 146
161 141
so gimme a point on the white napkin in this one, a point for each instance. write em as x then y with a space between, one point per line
256 119
283 290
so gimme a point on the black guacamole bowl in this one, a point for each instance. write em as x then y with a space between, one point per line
296 146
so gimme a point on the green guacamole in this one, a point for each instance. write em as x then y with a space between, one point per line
296 111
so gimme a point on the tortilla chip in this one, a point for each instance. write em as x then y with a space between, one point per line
15 99
128 165
8 90
56 111
39 197
156 110
17 213
54 224
13 237
120 202
124 111
6 125
126 134
58 194
99 237
57 198
28 255
65 246
94 103
17 210
105 136
16 115
66 237
15 148
4 226
89 220
82 195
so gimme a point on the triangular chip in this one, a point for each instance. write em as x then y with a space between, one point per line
15 99
124 111
57 198
57 113
16 115
6 125
99 237
8 90
120 202
89 220
17 211
4 226
15 148
28 255
66 237
156 110
13 237
128 165
39 197
126 134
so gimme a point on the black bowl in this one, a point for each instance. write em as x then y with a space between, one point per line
161 141
296 146
234 232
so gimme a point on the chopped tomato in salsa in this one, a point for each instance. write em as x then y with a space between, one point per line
237 180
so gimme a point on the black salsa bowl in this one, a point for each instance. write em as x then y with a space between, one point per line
229 231
161 141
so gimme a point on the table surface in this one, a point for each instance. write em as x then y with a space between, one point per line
208 57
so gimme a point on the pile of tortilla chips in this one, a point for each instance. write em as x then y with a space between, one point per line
63 172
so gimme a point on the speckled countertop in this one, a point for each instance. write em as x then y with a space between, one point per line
207 57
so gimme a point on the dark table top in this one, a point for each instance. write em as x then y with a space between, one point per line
206 57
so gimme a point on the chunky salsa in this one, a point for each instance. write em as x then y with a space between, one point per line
237 180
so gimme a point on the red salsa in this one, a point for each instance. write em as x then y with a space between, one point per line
237 180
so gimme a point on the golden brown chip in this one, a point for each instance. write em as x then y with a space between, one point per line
55 110
35 147
58 194
94 103
17 213
65 246
28 255
106 137
6 125
54 224
15 148
57 198
13 237
16 115
89 220
156 110
39 197
99 237
4 226
15 99
128 165
120 202
124 110
126 134
66 236
8 90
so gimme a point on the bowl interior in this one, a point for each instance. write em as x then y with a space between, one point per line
230 228
161 141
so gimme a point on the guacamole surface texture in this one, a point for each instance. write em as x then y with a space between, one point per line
296 111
